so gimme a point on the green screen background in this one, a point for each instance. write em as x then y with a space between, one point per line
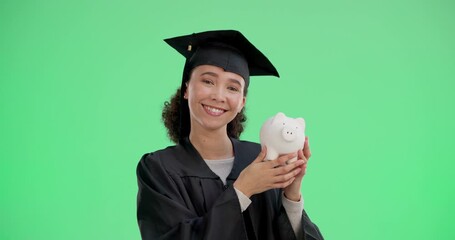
83 84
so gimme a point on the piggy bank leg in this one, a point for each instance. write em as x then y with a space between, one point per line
271 154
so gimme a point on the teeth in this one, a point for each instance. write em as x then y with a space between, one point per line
214 110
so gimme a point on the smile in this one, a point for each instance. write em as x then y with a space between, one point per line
213 111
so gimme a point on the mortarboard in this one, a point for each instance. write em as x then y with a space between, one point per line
227 49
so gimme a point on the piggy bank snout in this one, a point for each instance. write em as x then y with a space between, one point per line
289 134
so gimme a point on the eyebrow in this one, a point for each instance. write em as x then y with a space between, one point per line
209 73
216 75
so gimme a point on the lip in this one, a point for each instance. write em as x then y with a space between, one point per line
210 110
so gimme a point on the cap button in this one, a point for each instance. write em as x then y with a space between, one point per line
189 48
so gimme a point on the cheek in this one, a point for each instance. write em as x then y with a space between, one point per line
197 91
237 101
191 93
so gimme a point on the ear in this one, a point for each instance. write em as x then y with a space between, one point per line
278 117
185 94
242 105
301 121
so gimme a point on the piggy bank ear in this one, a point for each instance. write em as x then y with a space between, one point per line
278 117
301 121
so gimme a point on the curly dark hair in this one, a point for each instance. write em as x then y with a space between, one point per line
172 113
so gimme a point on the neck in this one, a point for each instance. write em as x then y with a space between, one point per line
212 145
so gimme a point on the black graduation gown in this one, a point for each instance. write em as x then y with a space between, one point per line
180 198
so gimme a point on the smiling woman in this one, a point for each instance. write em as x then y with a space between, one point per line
212 185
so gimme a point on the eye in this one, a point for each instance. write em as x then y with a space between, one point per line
284 124
207 81
234 89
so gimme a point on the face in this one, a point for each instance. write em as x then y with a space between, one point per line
214 97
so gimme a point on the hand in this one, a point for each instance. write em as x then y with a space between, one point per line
292 191
261 175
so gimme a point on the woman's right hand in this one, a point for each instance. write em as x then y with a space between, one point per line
261 175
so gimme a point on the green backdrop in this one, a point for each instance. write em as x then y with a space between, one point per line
83 83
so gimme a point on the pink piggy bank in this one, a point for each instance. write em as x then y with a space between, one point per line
282 135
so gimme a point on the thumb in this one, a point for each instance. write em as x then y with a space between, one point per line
261 155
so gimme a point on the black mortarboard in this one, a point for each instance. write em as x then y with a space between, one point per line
227 49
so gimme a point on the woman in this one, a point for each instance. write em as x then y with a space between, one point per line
212 185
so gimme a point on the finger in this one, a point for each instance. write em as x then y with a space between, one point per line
283 159
287 168
301 155
304 167
284 178
284 184
261 155
287 176
306 148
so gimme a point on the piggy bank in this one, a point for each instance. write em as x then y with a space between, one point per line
282 135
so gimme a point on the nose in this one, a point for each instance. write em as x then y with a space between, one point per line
288 134
218 94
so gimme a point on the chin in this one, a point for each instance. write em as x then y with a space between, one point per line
214 127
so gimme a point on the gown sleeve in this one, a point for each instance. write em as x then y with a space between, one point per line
163 212
311 230
285 230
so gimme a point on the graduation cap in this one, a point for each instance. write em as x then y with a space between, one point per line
227 49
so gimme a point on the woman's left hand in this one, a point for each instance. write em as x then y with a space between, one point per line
292 192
